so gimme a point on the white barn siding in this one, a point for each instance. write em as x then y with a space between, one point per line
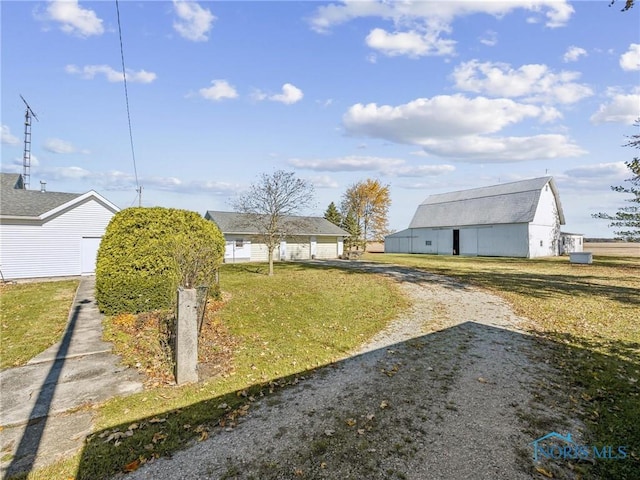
508 240
52 248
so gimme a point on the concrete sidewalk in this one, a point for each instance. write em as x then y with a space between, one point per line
42 414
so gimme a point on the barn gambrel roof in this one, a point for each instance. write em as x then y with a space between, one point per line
514 202
241 223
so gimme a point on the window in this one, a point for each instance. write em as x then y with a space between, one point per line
541 243
580 241
239 243
428 242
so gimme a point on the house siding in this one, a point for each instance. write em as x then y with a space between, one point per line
31 249
327 248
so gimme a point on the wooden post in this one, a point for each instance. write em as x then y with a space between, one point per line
187 337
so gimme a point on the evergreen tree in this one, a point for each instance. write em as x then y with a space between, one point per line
333 215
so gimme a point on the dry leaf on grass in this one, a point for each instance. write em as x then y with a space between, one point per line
132 466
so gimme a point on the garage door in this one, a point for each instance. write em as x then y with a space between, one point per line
89 254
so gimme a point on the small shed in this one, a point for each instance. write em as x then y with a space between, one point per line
49 234
303 238
571 243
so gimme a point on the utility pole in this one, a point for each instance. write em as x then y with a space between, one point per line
139 190
26 156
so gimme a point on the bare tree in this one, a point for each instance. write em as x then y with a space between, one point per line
269 202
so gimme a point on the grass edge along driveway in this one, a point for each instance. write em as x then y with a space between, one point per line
33 317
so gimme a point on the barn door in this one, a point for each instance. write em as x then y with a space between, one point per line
89 254
456 242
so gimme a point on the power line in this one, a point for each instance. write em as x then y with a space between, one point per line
126 98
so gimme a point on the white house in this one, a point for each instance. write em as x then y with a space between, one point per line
517 219
303 238
49 234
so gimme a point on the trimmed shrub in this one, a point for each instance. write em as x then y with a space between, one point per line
146 253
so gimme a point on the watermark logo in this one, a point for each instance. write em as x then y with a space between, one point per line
554 446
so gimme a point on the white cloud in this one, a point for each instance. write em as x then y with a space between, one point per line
90 71
573 54
411 43
55 145
118 180
395 167
621 108
532 82
476 148
419 27
630 60
490 38
600 170
557 12
443 116
458 127
7 138
218 90
347 164
323 181
19 161
290 94
73 18
194 22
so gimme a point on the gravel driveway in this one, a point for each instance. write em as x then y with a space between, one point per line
439 394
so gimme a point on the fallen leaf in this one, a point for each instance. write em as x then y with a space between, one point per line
361 431
157 420
329 432
158 436
350 422
133 426
203 436
132 466
482 380
384 404
544 472
323 465
298 472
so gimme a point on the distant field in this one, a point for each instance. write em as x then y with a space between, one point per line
613 249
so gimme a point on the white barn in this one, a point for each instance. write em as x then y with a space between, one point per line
303 238
517 219
49 234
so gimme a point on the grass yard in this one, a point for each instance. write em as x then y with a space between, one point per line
33 317
299 319
589 317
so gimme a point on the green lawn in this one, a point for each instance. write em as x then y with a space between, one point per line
34 316
299 319
588 316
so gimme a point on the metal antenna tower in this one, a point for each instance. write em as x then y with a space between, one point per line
26 157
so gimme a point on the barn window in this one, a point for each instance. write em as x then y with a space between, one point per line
239 243
427 242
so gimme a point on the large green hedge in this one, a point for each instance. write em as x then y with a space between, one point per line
146 253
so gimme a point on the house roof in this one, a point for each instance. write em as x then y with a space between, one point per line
17 202
242 223
514 202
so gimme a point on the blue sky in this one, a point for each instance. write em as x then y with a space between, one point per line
428 97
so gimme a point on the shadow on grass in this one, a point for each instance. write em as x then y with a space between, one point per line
538 285
605 385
